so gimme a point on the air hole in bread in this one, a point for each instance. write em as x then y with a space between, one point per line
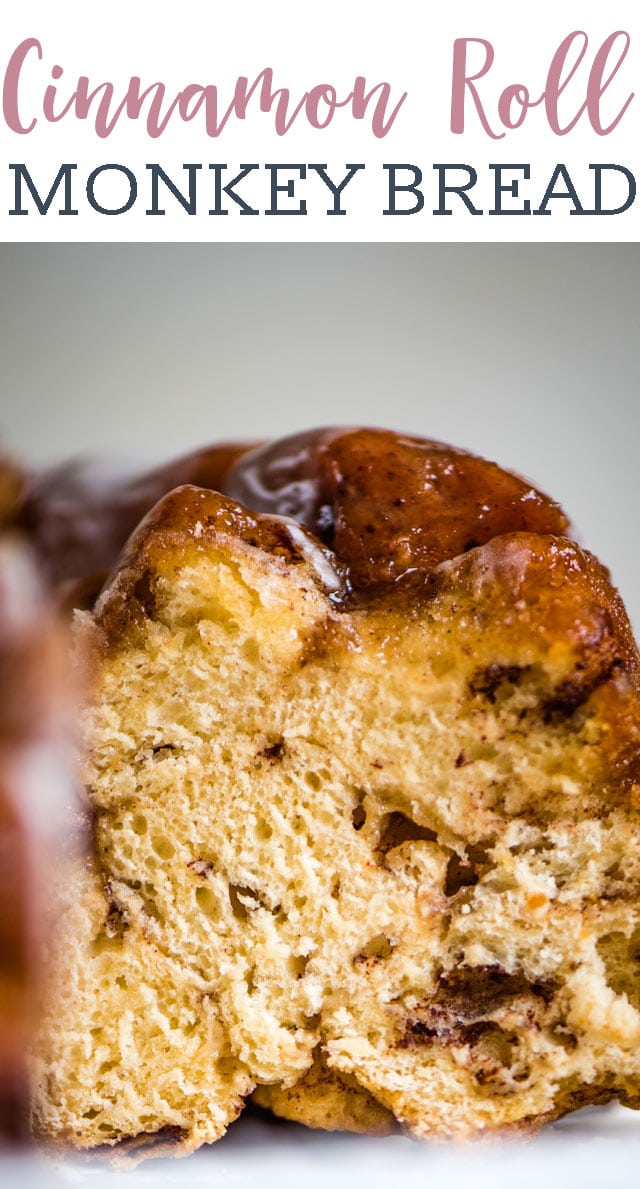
398 828
263 830
162 846
460 874
162 751
359 815
243 900
380 946
466 871
151 909
493 1051
251 650
207 903
297 964
621 957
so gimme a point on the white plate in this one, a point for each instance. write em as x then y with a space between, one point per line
598 1148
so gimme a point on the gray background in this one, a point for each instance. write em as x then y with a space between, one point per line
526 353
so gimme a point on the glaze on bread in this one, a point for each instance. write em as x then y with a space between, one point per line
77 519
366 799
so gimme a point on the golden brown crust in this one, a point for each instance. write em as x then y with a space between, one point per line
186 523
384 502
78 522
328 1101
557 600
388 503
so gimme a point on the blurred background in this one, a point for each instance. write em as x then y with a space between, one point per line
526 353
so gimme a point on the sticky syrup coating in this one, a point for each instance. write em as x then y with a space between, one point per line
78 521
385 503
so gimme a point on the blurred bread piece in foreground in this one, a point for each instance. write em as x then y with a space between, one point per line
38 818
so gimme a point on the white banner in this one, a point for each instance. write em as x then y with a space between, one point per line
350 120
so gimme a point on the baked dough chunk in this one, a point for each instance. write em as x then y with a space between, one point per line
357 824
328 1100
131 1046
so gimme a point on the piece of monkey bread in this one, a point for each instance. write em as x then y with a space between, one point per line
365 782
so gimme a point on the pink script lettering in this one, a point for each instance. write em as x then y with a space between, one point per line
513 103
106 105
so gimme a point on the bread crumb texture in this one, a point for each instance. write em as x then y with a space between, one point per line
381 863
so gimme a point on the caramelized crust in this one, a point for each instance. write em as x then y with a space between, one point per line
387 503
182 527
78 522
